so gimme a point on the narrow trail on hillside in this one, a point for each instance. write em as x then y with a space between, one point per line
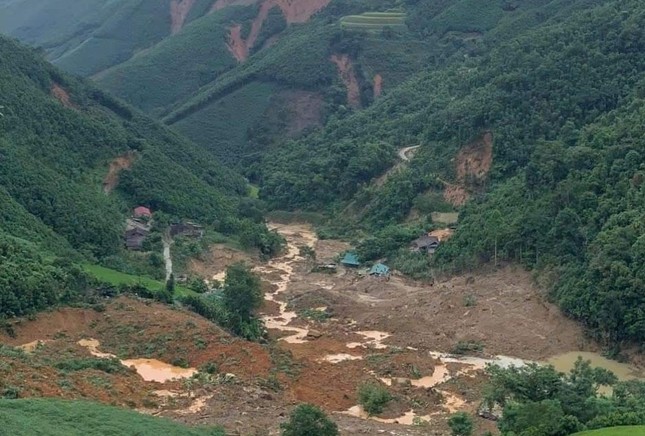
167 241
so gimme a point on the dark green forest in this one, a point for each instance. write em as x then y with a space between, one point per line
564 105
58 136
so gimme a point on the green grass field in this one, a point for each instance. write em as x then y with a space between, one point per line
117 278
630 430
83 418
374 21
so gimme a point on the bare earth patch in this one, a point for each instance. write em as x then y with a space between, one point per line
111 179
60 94
348 77
179 10
472 164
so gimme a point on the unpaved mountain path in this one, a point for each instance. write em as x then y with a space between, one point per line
167 241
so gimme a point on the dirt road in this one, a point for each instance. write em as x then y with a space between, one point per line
407 153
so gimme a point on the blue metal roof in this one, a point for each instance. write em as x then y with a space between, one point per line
351 259
380 269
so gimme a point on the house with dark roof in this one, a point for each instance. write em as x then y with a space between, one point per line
187 229
350 260
134 238
425 244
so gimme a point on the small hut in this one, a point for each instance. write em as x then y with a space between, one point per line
350 260
380 270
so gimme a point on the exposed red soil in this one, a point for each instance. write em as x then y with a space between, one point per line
472 164
236 45
221 4
60 94
348 77
179 10
378 85
294 11
112 177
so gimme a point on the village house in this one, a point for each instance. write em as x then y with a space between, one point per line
142 212
380 270
187 229
425 244
134 238
350 260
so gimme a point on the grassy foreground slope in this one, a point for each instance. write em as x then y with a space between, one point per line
83 418
544 133
629 430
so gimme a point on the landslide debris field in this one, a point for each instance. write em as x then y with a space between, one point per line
329 334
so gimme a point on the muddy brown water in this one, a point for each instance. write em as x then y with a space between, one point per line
565 363
149 369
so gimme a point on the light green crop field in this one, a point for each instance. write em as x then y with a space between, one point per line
117 278
630 430
83 418
374 21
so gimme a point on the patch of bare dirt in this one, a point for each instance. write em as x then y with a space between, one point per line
111 179
218 258
294 11
179 10
221 4
305 110
236 45
348 77
472 164
300 11
60 94
378 85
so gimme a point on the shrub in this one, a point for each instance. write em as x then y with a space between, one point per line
308 420
373 397
461 424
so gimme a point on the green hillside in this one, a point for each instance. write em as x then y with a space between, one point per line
558 187
72 33
76 418
58 137
632 430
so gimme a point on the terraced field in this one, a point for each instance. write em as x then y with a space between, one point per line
374 21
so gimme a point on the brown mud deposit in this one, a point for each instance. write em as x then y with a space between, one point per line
348 77
179 10
329 333
398 333
294 11
472 165
378 85
111 179
60 94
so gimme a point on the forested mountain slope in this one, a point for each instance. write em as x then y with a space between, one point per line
59 138
544 133
90 36
240 77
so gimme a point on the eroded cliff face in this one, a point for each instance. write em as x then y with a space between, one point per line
179 10
347 74
294 11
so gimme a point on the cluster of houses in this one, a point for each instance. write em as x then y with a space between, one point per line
428 244
139 224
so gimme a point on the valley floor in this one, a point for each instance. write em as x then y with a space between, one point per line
330 333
